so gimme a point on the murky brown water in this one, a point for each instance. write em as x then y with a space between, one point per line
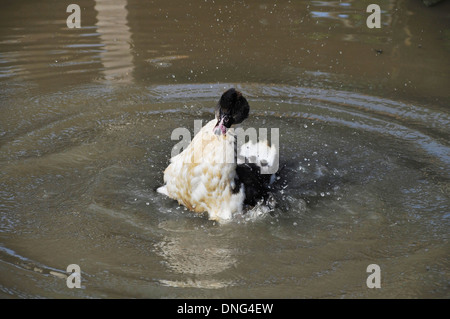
85 126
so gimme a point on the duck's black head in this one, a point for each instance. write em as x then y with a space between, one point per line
232 109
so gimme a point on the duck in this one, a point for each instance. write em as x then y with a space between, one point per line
211 175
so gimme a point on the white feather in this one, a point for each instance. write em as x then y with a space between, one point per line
201 176
259 153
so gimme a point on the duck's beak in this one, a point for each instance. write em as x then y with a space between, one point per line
220 127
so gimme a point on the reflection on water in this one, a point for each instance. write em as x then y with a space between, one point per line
115 35
189 257
306 43
85 125
197 255
349 13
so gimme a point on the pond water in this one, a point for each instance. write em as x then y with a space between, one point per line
85 135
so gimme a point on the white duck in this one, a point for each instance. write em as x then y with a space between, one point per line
205 176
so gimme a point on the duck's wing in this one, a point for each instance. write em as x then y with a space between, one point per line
260 154
256 170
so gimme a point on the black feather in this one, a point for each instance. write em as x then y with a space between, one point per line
256 185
